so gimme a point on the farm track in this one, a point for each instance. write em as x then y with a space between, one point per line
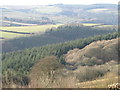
16 32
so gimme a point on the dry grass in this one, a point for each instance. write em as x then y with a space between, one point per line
103 82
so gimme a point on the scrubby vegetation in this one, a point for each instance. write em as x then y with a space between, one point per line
21 62
88 56
80 77
50 73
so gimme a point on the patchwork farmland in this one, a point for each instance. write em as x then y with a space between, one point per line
19 31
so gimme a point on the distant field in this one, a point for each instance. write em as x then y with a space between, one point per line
30 29
26 29
90 24
8 35
97 25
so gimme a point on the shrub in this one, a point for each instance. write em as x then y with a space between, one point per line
90 73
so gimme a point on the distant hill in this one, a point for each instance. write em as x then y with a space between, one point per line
61 13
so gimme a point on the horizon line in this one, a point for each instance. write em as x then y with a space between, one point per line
53 4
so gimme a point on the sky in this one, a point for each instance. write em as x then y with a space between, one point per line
47 2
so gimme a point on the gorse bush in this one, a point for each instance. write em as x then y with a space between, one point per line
90 73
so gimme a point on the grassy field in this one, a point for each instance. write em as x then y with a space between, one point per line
28 29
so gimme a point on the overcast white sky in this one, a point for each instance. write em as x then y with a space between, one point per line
46 2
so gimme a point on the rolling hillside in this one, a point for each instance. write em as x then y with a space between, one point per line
54 35
53 74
